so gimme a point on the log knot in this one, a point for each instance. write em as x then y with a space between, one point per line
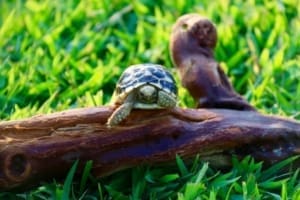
17 168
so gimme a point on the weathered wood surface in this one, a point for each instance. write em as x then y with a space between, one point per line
192 41
46 146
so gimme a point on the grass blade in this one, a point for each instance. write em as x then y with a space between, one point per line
85 175
68 182
181 166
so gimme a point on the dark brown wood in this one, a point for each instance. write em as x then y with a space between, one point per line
192 41
50 144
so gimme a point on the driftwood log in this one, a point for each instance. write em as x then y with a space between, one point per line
46 146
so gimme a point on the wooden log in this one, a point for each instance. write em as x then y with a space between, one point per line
146 137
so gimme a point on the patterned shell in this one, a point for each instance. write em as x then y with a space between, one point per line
142 74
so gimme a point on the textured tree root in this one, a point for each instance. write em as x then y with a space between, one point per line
192 41
46 146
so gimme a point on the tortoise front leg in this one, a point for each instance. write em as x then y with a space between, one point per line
165 100
121 112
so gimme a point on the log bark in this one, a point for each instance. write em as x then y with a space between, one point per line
46 146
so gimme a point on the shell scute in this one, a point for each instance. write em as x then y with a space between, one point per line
148 79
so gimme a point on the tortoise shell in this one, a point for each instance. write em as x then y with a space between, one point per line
136 76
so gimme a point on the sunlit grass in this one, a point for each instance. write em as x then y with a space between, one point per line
57 55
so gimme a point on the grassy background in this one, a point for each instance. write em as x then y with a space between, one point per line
61 54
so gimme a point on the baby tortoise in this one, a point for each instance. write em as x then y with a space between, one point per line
143 86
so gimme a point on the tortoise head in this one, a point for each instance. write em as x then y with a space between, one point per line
147 94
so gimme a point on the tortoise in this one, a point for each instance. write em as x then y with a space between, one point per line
143 86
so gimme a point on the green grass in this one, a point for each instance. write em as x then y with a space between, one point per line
61 54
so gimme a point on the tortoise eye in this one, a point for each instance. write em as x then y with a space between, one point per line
141 93
184 26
